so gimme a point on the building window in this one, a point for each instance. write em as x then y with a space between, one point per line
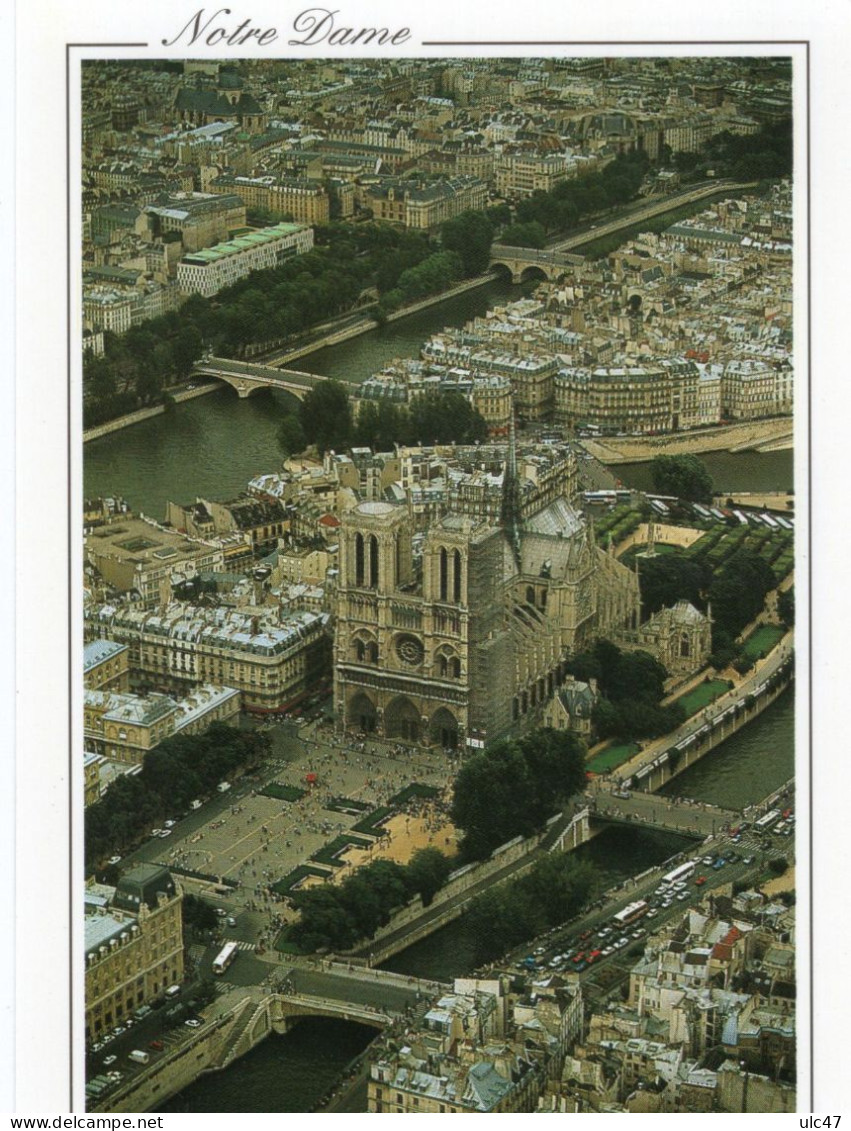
359 560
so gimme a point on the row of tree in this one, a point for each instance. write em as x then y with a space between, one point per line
513 787
573 200
336 917
324 419
555 889
175 772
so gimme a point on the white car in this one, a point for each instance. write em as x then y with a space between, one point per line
114 860
165 833
156 832
169 824
193 1023
111 1059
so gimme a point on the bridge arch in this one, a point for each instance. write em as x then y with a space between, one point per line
503 270
533 271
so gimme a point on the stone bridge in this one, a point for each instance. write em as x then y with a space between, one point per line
686 818
524 261
247 378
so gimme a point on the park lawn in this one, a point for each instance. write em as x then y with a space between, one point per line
286 885
702 695
611 757
372 824
282 792
415 789
286 946
332 852
762 640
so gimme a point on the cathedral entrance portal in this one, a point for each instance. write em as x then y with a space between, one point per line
362 714
402 720
444 729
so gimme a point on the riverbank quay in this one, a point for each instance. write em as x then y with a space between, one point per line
751 435
333 338
281 358
663 758
141 414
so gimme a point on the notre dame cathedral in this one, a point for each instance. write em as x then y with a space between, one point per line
459 633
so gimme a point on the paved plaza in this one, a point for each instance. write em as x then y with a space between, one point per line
254 840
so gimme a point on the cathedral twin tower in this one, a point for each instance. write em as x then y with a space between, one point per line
459 634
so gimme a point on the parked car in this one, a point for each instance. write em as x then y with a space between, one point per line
156 1046
192 1022
111 1059
700 881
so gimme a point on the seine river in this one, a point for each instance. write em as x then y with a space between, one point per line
213 446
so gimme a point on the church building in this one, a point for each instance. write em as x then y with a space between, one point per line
459 634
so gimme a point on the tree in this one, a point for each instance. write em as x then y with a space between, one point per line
290 435
556 761
684 476
198 914
669 578
326 417
427 872
493 799
531 234
738 593
470 235
786 606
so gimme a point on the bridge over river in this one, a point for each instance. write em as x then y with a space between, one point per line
247 378
244 1016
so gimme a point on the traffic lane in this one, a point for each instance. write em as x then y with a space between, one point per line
337 988
287 747
567 938
154 1027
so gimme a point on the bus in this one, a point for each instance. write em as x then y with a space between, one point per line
682 872
630 914
600 498
225 957
765 823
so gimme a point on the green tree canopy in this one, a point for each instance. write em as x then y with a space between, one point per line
470 235
326 417
290 435
684 476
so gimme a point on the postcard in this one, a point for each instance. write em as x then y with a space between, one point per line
419 438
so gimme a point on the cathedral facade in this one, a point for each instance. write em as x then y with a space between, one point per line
459 635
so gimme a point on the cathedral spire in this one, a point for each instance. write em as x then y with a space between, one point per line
510 510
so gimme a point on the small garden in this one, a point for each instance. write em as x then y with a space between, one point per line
760 642
415 789
282 792
291 881
614 755
702 695
331 852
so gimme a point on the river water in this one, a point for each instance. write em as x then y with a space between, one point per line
212 446
730 471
